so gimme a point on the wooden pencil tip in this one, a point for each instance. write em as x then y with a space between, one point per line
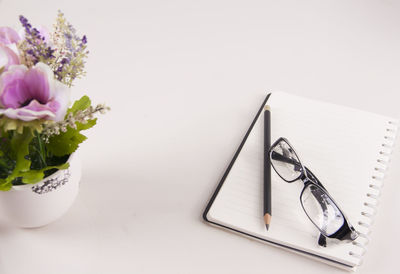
267 220
267 107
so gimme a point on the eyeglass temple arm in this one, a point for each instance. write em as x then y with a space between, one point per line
282 158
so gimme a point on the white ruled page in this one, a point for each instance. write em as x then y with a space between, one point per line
339 145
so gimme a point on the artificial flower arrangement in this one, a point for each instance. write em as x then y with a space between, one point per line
39 129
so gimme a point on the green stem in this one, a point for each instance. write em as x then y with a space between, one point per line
41 151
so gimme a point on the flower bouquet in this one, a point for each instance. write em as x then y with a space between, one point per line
39 127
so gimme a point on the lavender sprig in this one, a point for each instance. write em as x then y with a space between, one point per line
71 51
34 48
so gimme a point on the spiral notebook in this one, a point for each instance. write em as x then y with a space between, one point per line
347 149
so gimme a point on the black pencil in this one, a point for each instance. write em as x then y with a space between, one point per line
267 167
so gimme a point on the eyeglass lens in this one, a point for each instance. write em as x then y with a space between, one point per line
285 161
321 210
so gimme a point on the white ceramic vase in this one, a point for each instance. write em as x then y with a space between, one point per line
39 204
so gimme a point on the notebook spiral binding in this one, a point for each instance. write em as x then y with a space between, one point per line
370 206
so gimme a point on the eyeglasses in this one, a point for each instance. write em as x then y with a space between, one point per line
318 205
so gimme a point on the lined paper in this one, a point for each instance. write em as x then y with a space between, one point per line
339 145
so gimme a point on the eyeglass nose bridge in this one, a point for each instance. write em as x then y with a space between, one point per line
307 177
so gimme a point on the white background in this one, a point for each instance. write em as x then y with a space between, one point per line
184 80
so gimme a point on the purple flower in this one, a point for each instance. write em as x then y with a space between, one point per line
8 36
8 49
30 94
7 57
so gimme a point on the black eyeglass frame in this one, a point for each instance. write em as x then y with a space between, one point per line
346 231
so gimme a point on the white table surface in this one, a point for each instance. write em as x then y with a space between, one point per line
184 80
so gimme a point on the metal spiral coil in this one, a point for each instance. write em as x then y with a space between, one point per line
375 191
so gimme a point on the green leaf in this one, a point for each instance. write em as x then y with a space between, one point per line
67 142
34 176
80 104
5 185
20 148
8 124
89 124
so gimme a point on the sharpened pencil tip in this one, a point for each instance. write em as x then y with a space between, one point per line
267 227
267 219
266 107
